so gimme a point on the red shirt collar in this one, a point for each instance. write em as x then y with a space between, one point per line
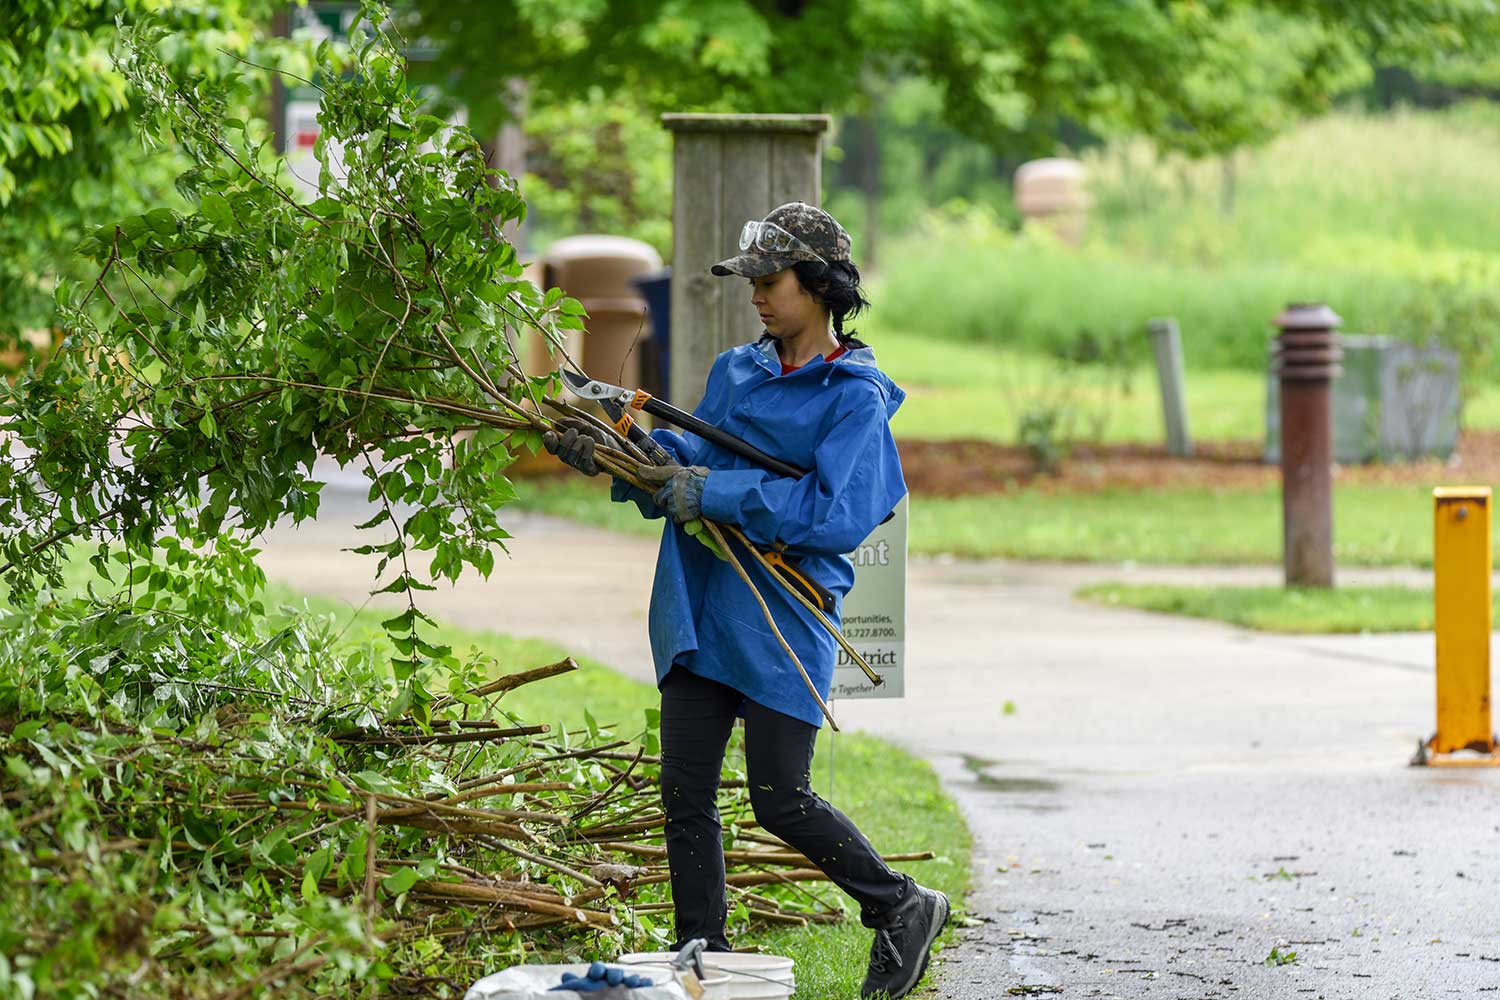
838 352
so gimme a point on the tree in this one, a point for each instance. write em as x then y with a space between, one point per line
204 798
68 152
1207 73
233 334
1197 76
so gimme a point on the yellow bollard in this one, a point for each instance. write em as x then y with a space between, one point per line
1461 597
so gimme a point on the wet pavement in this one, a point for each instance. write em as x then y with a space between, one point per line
1166 804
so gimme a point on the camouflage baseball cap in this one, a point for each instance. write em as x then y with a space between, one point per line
813 235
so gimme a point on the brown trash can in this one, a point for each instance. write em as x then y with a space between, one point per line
1053 191
537 356
596 270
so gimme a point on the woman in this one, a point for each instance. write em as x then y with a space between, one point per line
808 393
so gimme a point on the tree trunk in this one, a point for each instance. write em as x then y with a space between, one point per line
869 182
507 151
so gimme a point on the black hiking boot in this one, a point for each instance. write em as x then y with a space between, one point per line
903 939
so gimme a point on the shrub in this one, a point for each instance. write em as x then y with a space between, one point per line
971 280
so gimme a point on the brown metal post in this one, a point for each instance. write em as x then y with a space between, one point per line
1307 354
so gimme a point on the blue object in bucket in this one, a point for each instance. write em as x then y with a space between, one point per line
600 977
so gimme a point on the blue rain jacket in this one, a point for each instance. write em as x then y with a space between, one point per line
830 417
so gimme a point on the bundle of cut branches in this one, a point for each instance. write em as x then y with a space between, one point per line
259 849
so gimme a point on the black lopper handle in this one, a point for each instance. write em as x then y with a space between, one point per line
636 433
723 439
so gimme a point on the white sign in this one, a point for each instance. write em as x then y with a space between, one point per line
301 131
875 614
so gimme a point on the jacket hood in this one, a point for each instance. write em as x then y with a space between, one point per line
858 362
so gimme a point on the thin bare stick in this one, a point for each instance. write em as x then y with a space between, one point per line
546 862
372 838
509 682
498 786
809 605
593 803
713 529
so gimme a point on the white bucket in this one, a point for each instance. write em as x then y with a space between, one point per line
754 977
731 975
658 964
536 982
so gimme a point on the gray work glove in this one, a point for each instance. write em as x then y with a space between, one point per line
575 445
679 489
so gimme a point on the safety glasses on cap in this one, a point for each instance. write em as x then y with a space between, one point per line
771 238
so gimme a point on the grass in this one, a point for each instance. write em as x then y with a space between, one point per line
1305 611
1025 292
1407 205
1423 178
971 390
1373 525
960 390
895 798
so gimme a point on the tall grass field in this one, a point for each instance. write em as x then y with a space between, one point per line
1389 219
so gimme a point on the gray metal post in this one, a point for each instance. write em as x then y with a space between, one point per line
1166 344
726 170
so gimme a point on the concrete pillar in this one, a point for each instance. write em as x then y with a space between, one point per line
1166 346
727 169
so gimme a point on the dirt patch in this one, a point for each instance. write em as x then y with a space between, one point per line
954 468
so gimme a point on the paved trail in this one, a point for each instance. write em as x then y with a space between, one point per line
1168 802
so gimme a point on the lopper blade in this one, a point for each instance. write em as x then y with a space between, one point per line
582 385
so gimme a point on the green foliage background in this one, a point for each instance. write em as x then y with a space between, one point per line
68 152
1396 240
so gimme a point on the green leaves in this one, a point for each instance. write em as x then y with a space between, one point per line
695 529
162 221
374 781
216 210
232 333
400 881
227 335
316 869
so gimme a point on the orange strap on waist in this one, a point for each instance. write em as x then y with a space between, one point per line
809 591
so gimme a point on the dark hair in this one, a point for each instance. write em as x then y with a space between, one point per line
835 286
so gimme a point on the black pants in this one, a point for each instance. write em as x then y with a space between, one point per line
697 716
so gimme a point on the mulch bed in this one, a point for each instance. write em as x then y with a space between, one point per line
954 468
957 468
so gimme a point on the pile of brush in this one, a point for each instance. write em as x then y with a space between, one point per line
260 847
